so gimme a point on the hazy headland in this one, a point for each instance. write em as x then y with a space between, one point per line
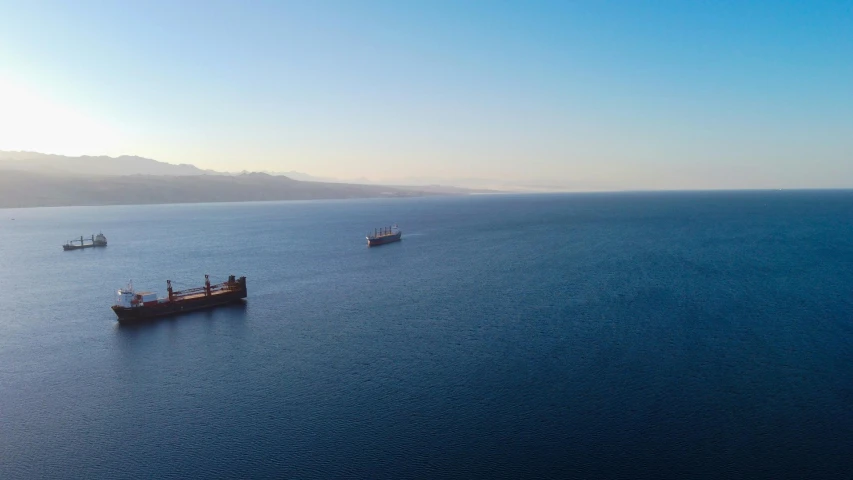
29 179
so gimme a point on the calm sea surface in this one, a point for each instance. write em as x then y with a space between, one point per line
677 335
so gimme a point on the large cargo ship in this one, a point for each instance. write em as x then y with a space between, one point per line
98 240
384 235
132 306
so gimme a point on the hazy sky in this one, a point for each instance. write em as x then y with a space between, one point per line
593 94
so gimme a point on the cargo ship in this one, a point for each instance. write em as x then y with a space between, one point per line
384 235
132 306
98 240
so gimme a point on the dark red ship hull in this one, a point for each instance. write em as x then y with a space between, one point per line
174 307
78 247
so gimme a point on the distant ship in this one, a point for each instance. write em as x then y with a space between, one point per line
98 240
384 235
132 306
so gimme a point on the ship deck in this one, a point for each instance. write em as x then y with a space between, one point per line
194 296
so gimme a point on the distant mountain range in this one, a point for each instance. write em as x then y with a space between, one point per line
86 165
30 179
307 177
133 165
467 183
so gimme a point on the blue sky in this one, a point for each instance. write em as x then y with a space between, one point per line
584 94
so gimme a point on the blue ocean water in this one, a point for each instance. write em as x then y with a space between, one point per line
635 335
